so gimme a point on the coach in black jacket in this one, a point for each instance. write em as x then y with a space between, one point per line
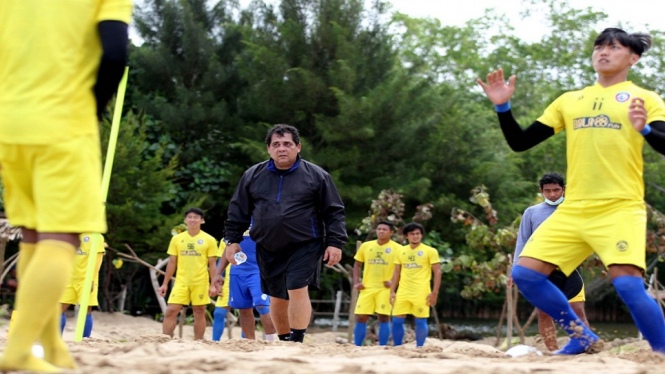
298 222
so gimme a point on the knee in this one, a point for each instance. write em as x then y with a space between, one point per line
630 289
198 312
220 312
523 275
171 312
362 318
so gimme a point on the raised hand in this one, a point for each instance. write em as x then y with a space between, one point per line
497 90
637 114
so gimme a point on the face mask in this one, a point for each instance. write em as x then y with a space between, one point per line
557 202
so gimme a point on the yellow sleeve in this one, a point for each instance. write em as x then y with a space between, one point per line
553 117
655 107
434 256
213 250
115 10
398 260
98 265
173 246
360 255
101 248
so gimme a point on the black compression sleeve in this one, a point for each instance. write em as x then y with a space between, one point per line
114 38
519 139
656 138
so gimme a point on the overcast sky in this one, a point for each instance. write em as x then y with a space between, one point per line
633 18
644 15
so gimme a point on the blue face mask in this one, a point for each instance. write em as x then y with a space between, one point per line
557 202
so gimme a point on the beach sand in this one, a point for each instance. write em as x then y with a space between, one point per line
126 344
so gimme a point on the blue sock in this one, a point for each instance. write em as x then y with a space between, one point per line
398 330
421 331
645 311
63 322
87 328
547 297
242 335
359 332
384 333
218 323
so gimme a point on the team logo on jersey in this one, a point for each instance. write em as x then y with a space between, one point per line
200 241
264 296
420 253
622 97
200 297
600 121
86 239
622 246
388 250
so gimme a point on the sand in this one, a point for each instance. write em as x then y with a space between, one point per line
126 344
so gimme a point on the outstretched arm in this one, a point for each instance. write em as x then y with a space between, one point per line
499 92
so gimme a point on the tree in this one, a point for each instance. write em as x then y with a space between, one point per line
140 186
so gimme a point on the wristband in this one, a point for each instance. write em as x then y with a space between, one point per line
646 130
502 108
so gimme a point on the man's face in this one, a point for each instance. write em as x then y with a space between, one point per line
613 58
552 191
383 232
414 237
283 151
193 221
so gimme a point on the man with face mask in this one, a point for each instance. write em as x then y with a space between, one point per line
552 187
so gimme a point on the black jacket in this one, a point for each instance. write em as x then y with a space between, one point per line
289 207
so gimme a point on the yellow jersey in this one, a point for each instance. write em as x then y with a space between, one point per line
416 272
604 151
193 253
378 262
82 255
49 57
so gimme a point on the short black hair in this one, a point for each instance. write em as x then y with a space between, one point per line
194 210
281 130
637 42
552 178
387 223
413 226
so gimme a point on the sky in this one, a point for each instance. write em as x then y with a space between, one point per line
632 18
457 12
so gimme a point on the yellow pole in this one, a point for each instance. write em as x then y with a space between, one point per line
97 238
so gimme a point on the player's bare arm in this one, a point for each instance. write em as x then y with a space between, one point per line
436 276
357 284
217 279
395 282
170 270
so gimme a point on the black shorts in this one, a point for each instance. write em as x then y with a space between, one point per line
290 268
571 285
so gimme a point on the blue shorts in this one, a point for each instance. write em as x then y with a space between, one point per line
246 291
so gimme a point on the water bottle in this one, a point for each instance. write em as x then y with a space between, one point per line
240 257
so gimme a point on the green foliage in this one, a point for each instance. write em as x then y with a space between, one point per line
485 264
140 185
